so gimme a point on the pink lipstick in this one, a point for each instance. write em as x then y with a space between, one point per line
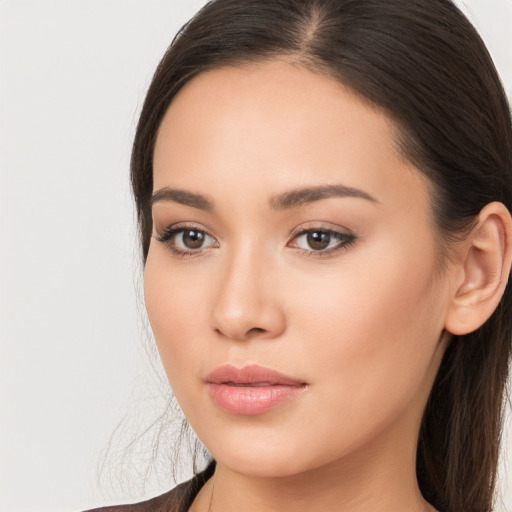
251 390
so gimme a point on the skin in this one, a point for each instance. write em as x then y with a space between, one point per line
362 326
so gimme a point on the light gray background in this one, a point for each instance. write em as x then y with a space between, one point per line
73 75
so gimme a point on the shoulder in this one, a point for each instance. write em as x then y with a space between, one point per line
171 501
178 499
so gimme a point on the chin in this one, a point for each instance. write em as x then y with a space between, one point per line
268 454
263 465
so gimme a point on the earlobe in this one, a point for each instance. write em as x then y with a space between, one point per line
485 261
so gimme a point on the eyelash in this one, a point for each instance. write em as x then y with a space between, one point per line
345 240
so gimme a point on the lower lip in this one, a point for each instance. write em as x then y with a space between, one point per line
251 400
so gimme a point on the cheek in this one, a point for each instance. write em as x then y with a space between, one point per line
371 334
174 304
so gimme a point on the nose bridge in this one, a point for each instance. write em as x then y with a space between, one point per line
245 303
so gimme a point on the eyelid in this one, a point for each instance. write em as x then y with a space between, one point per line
158 231
307 227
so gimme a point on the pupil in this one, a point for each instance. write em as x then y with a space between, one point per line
193 239
318 240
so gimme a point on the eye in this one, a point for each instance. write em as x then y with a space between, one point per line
192 239
321 241
185 240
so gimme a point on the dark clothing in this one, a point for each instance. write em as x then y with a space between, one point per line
178 499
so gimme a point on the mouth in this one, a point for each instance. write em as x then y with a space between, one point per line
251 390
249 385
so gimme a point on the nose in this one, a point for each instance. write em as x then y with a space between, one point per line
246 304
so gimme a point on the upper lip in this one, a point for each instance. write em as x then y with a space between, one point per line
250 374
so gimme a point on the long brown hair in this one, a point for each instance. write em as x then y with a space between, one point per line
424 63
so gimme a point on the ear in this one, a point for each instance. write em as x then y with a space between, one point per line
485 267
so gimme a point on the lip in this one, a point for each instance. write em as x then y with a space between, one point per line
251 390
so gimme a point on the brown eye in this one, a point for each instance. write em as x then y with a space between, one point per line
318 240
192 238
322 241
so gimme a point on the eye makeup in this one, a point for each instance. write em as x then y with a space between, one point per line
189 240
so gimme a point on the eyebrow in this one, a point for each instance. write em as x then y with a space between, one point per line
300 197
287 200
183 197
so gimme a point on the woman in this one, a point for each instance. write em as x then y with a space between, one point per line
323 189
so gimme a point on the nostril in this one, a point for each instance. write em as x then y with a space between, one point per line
255 330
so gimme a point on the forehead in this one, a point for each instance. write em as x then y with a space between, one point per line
273 125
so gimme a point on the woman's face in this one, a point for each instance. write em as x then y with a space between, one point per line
292 282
